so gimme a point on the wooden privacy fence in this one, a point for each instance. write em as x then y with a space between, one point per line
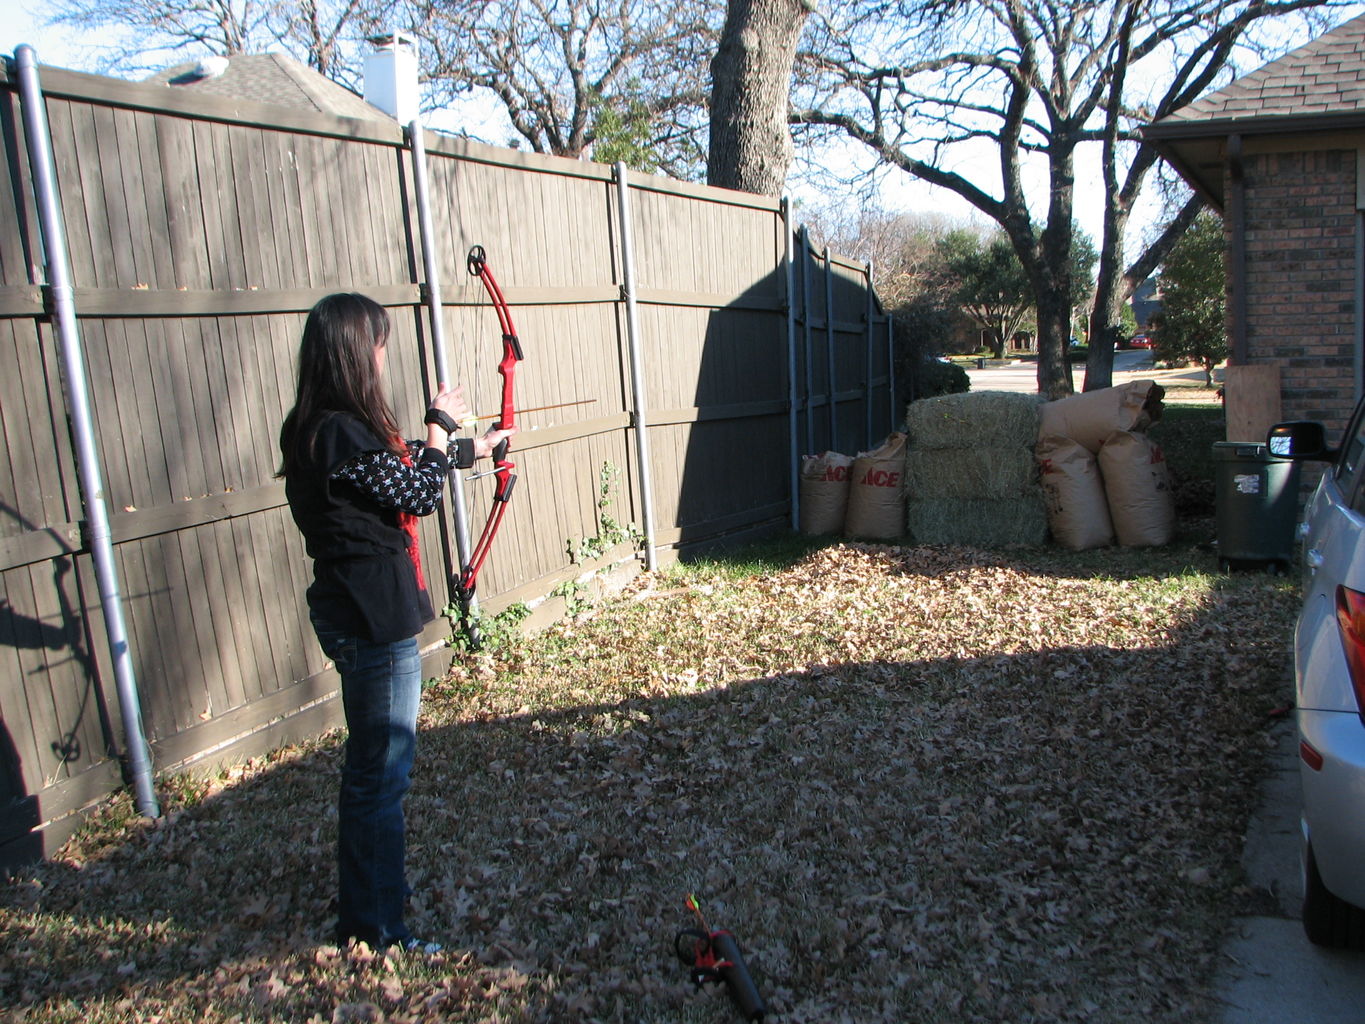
200 231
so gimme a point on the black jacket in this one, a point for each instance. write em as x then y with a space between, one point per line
364 577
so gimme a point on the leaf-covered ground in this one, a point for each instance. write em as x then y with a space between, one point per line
918 784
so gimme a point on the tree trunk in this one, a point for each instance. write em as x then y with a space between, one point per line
1054 329
1106 324
751 146
1052 283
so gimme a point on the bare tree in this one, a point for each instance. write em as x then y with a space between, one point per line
1027 83
903 248
554 66
147 35
751 146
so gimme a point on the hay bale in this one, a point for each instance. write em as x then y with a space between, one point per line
996 472
977 419
977 522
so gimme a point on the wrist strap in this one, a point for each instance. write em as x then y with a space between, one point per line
442 419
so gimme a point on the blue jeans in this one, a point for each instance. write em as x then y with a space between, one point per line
381 685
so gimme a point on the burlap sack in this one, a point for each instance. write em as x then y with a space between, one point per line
1092 416
1077 511
824 492
1138 487
876 497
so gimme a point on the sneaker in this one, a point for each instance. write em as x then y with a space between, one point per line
420 946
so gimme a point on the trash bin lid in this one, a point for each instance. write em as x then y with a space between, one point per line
1238 451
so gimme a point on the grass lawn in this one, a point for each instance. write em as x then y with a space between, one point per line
918 784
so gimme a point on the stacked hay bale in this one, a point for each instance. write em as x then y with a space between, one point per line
1101 475
970 473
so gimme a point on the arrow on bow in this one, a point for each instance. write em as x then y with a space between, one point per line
477 265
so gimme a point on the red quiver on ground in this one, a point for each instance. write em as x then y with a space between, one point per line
714 957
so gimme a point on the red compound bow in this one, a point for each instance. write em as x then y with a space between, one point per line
477 264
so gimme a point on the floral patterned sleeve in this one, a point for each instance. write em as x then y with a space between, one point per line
385 477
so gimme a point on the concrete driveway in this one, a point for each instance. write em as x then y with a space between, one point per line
1129 364
1271 973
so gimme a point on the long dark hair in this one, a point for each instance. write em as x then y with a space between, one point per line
337 373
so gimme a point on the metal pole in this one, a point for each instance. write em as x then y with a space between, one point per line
805 317
637 369
82 425
829 349
432 294
792 432
896 421
867 399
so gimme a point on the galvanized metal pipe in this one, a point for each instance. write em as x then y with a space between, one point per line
793 442
63 306
637 368
805 331
897 421
829 350
432 295
867 388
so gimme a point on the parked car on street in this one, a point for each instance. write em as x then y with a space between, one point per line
1140 341
1329 671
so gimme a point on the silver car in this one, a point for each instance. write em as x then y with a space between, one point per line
1329 670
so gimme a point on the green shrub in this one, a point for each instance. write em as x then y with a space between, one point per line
1187 433
935 378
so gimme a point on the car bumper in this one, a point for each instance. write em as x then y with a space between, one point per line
1332 800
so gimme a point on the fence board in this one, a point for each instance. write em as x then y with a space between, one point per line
14 259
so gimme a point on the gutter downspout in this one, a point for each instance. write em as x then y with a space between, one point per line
637 367
63 307
431 295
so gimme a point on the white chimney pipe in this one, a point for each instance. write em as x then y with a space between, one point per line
391 76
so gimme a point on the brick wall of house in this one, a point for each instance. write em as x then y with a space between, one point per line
1300 262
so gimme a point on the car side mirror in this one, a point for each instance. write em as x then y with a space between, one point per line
1300 440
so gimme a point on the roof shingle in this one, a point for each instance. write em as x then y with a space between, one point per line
1324 75
272 78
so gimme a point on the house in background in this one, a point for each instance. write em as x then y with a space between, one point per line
1281 153
267 78
1146 303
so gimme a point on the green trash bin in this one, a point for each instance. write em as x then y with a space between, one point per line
1257 503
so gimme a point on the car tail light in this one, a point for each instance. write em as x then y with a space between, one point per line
1310 755
1351 622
